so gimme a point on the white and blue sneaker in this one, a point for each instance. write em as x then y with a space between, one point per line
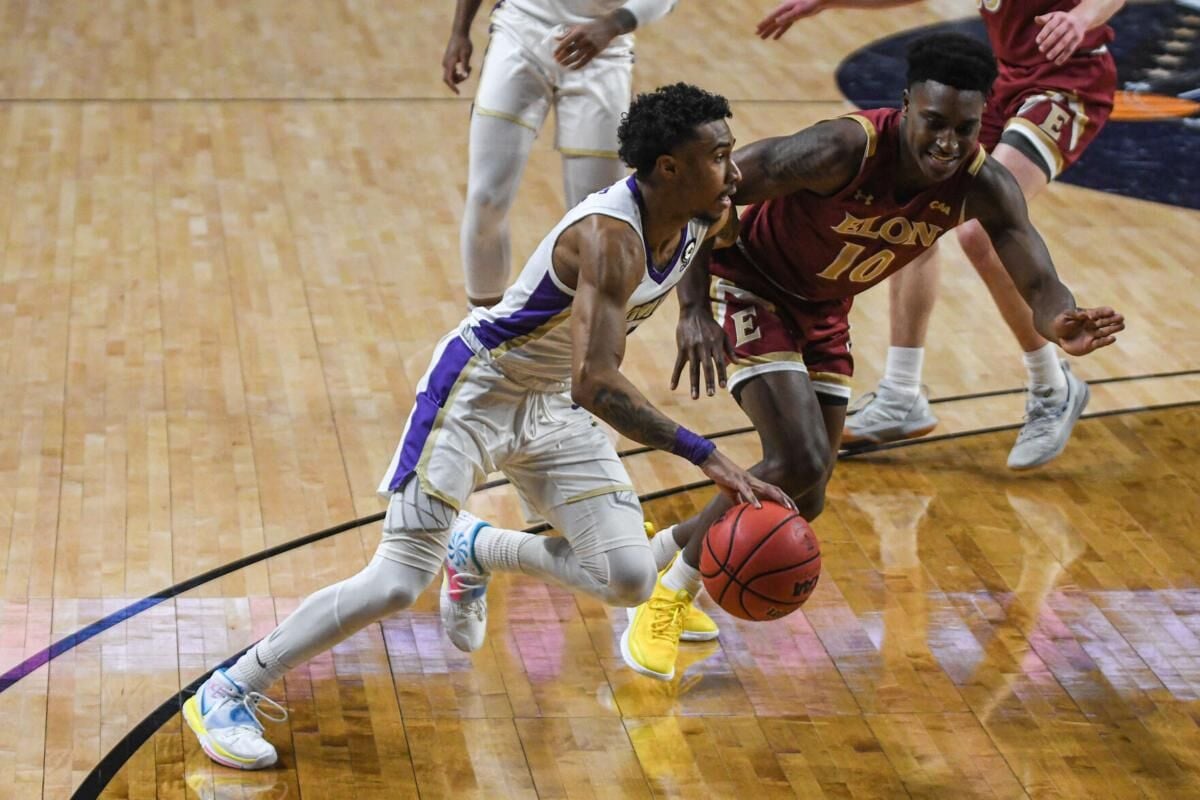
1048 424
463 600
224 717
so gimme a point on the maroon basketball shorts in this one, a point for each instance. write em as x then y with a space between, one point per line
813 338
1056 110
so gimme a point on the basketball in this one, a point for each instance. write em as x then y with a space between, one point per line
760 563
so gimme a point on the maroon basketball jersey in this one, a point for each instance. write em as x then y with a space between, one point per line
1013 32
827 248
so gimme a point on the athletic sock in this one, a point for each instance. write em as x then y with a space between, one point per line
681 575
1046 373
902 370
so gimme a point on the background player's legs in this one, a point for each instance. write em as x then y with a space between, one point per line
583 175
898 409
499 149
415 532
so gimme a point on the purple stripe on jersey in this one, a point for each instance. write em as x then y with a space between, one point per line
658 275
430 402
546 301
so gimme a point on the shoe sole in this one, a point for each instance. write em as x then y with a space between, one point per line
638 668
1075 415
887 435
686 636
195 721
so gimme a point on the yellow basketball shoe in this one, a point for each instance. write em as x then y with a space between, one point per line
651 642
698 626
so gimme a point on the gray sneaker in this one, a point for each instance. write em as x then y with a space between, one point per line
1048 427
888 416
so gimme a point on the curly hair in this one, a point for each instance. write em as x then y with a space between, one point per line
662 120
959 61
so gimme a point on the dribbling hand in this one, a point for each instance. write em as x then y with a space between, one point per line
1083 330
702 343
776 23
740 486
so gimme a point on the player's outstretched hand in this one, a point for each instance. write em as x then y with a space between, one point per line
776 23
1086 329
703 345
581 43
1060 35
456 63
740 486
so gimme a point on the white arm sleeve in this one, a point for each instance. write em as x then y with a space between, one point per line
647 11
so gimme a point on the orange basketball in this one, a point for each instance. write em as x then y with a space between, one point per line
760 563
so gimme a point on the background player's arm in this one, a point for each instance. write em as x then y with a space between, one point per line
581 43
823 159
1063 31
456 62
777 22
995 199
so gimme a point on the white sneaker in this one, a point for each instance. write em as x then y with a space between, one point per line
463 600
887 415
224 717
1048 425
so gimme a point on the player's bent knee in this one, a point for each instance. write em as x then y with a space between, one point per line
632 575
797 472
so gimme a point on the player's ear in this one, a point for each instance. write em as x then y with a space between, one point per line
904 101
667 165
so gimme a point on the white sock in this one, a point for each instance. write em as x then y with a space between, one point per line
664 547
681 575
496 548
1045 372
258 668
902 371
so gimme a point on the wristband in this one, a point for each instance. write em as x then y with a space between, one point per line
693 447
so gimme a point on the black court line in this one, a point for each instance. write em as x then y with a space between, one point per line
122 751
71 641
330 100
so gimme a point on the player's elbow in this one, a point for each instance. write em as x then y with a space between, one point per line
586 382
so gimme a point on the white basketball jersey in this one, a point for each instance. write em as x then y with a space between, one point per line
528 333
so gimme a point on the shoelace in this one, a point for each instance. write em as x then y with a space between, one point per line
1040 410
668 619
251 702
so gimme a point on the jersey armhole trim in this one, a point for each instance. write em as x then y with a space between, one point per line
872 136
598 212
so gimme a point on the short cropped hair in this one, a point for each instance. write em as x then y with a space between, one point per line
958 61
662 120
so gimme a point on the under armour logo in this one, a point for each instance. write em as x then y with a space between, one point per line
938 205
863 197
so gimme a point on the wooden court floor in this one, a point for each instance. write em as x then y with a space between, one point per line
228 241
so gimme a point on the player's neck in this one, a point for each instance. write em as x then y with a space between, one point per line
661 220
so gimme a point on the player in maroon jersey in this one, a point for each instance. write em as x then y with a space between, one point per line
835 209
1054 94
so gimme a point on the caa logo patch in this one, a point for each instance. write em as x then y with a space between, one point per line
688 252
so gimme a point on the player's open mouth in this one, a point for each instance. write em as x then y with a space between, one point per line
942 159
726 197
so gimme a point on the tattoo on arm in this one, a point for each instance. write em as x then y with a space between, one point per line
639 421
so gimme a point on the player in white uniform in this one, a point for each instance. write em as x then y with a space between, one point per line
514 388
574 55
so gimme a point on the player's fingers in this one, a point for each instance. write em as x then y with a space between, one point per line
784 28
722 377
583 61
710 377
695 372
747 493
1111 329
680 360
